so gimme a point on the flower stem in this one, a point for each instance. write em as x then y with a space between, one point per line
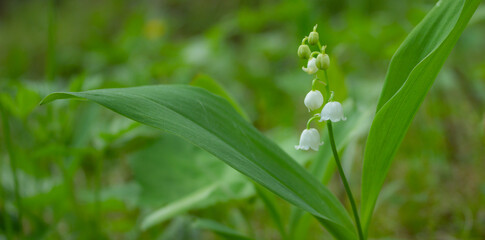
311 119
314 53
340 169
344 180
303 41
314 83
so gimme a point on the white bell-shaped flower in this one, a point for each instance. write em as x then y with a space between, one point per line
310 139
311 67
332 111
313 100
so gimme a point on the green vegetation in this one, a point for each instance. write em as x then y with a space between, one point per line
186 84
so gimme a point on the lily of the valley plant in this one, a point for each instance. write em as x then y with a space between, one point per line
331 112
224 133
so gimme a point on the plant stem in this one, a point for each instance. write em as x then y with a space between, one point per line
51 42
13 165
344 180
5 215
316 116
340 169
97 193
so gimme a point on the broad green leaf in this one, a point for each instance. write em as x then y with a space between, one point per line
209 122
219 229
411 73
214 87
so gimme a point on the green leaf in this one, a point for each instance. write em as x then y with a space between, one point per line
411 73
214 87
209 122
220 229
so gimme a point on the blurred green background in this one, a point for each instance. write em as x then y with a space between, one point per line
74 170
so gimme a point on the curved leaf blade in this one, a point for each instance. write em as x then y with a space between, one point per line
411 73
220 229
211 123
211 85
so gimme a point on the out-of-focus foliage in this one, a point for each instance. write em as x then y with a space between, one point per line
75 162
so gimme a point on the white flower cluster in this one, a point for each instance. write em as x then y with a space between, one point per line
310 137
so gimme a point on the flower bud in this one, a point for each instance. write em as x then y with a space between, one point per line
313 38
323 61
304 51
332 111
311 67
313 100
310 139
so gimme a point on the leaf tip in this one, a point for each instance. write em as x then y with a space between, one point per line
57 95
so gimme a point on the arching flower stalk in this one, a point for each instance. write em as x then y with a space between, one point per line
332 111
